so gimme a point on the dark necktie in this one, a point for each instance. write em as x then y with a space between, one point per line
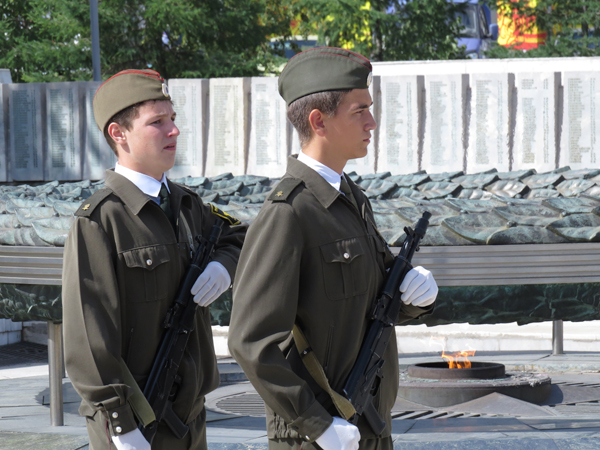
165 202
345 188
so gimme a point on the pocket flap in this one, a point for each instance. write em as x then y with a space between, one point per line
147 257
344 251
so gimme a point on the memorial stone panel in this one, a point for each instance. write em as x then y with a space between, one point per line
97 154
488 124
399 125
268 149
26 132
63 152
579 146
534 143
227 138
444 109
295 144
190 101
3 130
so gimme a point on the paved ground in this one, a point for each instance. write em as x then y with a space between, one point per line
569 419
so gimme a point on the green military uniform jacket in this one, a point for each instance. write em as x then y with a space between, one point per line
123 263
310 258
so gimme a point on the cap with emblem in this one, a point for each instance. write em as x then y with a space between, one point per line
324 69
125 89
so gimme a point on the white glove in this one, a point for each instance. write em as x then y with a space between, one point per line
211 284
341 435
134 440
418 287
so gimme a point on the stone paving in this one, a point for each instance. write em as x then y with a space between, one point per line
569 419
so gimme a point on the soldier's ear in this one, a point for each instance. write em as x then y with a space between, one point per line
116 132
317 122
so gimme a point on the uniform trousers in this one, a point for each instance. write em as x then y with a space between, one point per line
164 439
296 444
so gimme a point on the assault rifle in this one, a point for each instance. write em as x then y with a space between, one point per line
365 377
163 382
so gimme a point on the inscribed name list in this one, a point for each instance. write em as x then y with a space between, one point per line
97 154
227 130
26 142
268 149
579 146
399 126
443 148
63 161
488 124
534 144
190 98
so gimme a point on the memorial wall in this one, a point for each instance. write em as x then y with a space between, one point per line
443 116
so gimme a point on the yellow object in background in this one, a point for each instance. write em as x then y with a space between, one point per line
516 30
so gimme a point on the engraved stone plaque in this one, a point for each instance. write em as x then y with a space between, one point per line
26 133
63 151
268 150
579 146
190 101
488 124
227 136
444 109
3 130
295 144
534 143
398 126
5 76
97 155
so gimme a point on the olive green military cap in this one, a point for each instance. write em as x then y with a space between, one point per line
125 89
324 69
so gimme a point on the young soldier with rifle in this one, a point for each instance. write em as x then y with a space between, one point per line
126 255
313 262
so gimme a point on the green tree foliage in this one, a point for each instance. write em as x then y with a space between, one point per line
50 40
572 27
384 30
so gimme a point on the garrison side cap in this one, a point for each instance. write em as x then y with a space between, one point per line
324 69
125 89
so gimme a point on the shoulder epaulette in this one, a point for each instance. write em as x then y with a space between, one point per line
89 204
285 187
186 189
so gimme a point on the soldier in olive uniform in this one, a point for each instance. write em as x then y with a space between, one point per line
126 253
314 258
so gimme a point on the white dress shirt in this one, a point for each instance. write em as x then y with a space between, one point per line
148 185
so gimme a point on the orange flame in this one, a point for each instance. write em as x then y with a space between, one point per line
458 360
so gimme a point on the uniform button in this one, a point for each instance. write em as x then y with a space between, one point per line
115 415
149 262
118 429
346 255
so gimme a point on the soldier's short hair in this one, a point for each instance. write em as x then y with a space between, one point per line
327 102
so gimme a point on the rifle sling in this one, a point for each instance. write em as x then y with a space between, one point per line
140 406
314 367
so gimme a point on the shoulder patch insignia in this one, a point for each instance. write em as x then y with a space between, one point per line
223 215
285 187
88 205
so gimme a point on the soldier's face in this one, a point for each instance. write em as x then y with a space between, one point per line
151 143
350 129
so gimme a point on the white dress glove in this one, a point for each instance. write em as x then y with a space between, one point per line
418 287
341 435
211 284
134 440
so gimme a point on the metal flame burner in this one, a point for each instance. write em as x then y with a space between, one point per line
441 371
434 384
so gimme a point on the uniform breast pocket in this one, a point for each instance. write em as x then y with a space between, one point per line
147 273
344 271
